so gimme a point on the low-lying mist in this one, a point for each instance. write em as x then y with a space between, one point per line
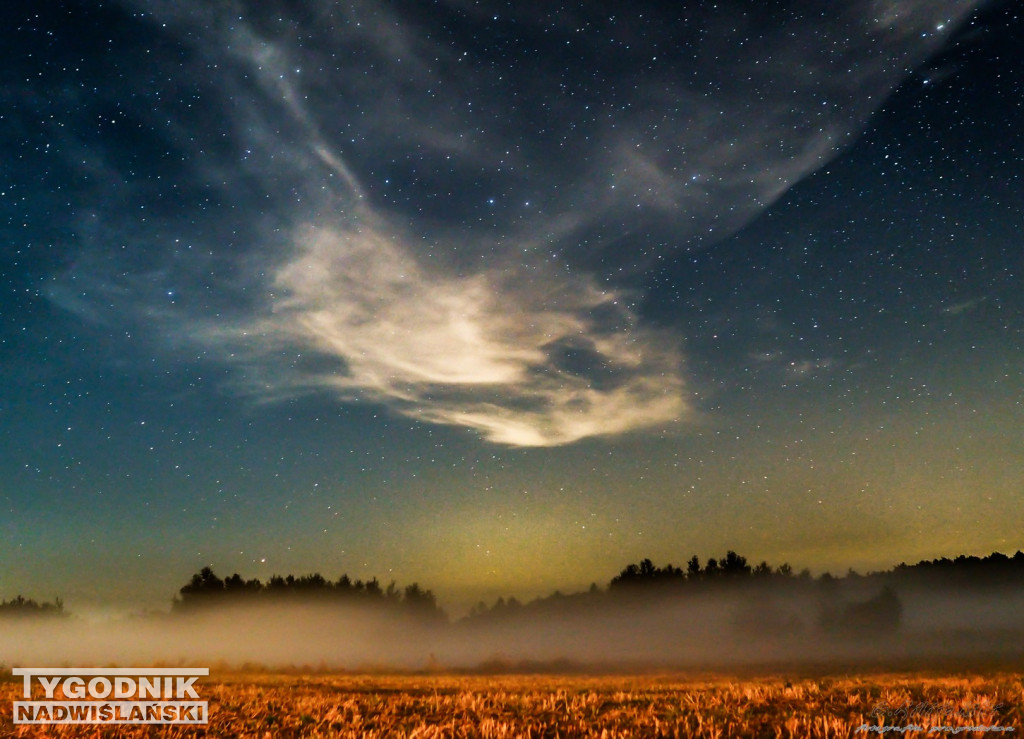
727 627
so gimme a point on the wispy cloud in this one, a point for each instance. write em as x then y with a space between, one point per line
523 358
431 227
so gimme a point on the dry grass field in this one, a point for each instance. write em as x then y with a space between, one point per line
330 705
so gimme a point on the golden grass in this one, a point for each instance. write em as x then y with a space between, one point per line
270 706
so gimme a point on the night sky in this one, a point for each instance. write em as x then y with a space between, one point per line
500 299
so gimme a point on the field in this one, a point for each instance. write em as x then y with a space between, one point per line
670 705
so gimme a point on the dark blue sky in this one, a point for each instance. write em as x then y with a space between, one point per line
501 300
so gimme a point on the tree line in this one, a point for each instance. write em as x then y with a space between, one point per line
22 606
207 589
644 578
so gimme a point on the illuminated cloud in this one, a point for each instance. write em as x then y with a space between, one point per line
523 358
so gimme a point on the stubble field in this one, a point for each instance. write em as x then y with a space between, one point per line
670 705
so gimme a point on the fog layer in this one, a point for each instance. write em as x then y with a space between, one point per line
701 629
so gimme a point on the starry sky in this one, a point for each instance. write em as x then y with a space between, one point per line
500 297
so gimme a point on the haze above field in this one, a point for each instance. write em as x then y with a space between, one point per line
499 298
713 630
720 614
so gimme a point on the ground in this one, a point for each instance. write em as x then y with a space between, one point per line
317 704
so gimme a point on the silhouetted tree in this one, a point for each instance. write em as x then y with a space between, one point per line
277 584
734 565
421 602
646 574
20 606
235 585
311 583
203 586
